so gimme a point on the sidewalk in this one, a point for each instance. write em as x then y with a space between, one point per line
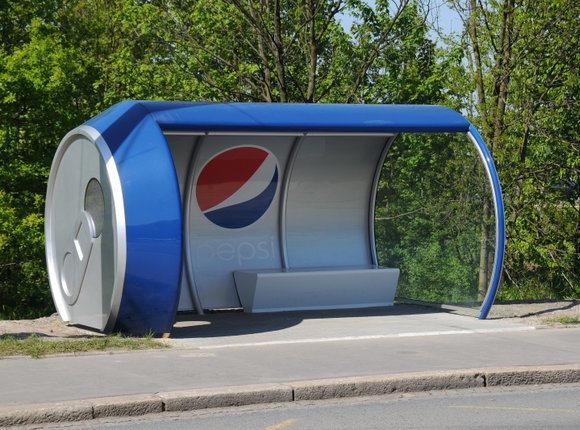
234 359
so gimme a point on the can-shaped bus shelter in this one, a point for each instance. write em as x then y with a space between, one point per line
155 207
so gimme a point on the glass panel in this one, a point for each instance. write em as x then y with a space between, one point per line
434 219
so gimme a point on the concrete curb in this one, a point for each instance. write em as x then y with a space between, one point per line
380 385
204 398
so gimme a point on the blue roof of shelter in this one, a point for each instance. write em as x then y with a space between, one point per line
288 117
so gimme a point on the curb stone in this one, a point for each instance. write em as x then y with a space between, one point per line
46 413
126 406
206 398
533 376
380 385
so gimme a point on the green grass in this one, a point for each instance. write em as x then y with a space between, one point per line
36 346
564 319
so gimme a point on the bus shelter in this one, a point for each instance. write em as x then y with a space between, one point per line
158 207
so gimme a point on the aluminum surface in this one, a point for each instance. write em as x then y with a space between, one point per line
85 231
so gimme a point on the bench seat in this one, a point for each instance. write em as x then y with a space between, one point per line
274 290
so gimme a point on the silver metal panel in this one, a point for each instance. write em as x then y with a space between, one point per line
284 200
85 231
329 199
373 199
183 151
274 290
182 148
215 251
318 217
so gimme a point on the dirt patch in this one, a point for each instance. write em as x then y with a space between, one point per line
50 327
538 314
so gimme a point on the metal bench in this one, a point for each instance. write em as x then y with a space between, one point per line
316 288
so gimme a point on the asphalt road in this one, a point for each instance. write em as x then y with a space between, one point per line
528 407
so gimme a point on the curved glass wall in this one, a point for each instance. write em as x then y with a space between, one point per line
434 219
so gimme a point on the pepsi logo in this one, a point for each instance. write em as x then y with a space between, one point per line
236 187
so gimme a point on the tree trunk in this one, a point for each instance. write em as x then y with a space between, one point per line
278 50
484 251
492 113
311 49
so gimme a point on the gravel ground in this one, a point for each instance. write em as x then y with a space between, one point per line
539 314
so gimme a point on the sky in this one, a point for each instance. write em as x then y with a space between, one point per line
447 19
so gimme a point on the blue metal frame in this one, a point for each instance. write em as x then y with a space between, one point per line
133 130
151 197
499 221
305 118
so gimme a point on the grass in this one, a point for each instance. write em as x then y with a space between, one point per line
37 347
564 319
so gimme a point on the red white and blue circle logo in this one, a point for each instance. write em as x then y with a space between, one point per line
236 187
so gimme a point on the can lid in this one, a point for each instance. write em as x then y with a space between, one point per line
84 231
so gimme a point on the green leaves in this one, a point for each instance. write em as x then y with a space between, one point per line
42 96
63 61
527 107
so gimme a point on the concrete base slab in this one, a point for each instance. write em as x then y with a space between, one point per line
237 329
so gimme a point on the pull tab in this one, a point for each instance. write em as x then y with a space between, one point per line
76 256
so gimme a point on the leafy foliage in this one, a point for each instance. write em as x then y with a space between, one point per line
513 71
42 96
523 61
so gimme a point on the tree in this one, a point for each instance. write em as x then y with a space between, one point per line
523 61
41 97
296 50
